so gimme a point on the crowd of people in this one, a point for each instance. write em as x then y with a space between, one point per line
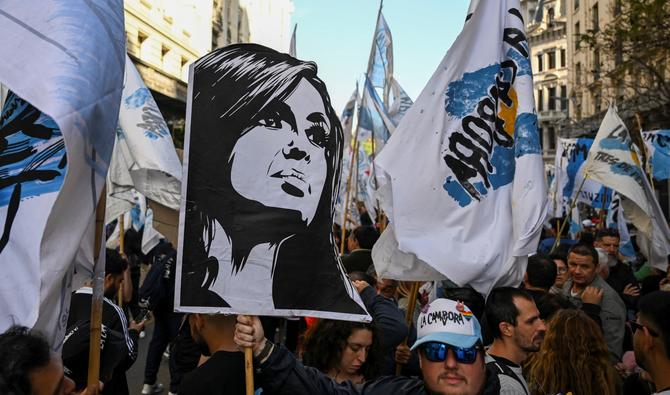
585 320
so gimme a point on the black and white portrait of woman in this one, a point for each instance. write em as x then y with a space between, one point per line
263 153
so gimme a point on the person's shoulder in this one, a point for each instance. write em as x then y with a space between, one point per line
394 385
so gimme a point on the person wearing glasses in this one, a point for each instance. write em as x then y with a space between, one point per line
451 355
651 340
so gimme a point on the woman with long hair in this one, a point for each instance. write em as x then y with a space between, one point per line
264 152
343 350
573 358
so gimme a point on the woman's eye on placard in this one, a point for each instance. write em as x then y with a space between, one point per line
271 120
317 135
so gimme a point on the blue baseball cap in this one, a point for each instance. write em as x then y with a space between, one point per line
448 321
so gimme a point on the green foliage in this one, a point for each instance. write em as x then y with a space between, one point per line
636 44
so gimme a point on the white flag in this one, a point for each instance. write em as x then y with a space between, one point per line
614 162
464 168
571 154
64 64
144 157
347 182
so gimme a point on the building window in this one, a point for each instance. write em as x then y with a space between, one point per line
551 138
594 18
596 65
564 97
550 17
552 98
552 60
164 53
578 73
596 102
562 57
539 63
577 36
576 4
540 100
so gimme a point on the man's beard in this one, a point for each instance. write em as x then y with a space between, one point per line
202 346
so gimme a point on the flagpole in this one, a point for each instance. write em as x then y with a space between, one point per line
409 318
96 299
573 202
354 156
643 148
249 370
122 250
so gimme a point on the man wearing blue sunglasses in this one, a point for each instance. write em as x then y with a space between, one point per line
449 341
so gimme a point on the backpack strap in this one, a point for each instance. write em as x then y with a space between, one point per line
500 368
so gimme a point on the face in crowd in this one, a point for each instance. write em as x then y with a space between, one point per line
582 269
356 351
610 244
50 380
451 371
561 273
387 288
530 329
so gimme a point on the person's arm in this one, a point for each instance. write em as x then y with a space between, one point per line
591 299
279 372
131 334
127 287
388 319
614 326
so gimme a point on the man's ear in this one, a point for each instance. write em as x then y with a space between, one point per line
505 328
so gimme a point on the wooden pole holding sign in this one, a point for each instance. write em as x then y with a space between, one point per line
409 317
96 300
249 370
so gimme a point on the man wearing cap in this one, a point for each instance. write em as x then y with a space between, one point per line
450 348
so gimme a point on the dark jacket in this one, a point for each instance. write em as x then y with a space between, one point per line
281 374
113 318
391 327
357 261
620 276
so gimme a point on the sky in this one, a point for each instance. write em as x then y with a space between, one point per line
337 35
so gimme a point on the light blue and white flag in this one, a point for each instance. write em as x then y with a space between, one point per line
64 65
658 147
571 154
380 63
464 171
400 104
615 219
347 183
613 161
144 157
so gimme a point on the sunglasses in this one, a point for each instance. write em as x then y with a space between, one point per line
437 352
636 325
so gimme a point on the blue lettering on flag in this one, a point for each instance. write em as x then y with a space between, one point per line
526 138
138 98
463 96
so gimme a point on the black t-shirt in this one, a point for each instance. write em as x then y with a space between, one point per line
222 374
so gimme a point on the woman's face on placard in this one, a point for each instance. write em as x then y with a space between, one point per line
281 161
